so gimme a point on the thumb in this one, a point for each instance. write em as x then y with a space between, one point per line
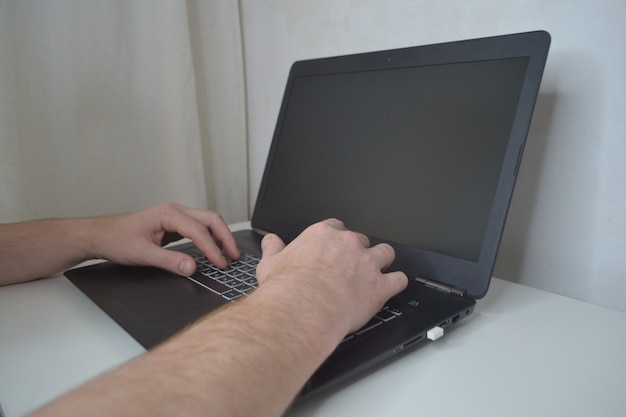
173 261
271 244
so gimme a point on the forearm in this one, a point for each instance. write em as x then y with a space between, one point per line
248 359
36 249
251 358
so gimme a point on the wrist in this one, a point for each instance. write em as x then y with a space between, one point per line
324 327
81 233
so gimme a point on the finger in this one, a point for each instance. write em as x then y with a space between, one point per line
339 225
223 236
271 244
363 239
173 261
383 255
396 282
211 250
178 221
218 229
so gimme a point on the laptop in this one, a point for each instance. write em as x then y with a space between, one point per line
417 147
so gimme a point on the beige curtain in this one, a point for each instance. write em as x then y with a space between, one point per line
112 106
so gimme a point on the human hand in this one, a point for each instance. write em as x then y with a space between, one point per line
332 271
137 238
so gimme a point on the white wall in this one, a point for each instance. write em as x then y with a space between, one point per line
567 229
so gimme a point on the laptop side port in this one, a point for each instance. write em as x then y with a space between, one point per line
412 342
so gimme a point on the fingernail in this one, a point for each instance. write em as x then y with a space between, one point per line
185 267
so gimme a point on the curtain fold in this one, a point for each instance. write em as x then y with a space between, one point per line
217 41
113 106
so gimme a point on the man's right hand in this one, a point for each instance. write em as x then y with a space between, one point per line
333 271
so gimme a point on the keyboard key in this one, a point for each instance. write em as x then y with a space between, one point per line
383 316
213 285
235 281
374 322
232 295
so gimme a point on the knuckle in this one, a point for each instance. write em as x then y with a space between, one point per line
388 249
320 227
167 206
352 238
165 209
168 260
215 216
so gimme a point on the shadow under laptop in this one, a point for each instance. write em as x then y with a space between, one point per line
311 406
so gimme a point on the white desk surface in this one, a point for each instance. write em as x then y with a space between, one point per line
524 352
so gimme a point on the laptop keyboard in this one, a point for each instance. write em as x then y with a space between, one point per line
239 279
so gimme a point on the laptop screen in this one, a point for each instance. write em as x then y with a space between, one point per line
411 155
418 147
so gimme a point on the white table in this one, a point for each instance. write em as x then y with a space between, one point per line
524 352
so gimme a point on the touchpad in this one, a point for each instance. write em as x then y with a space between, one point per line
162 297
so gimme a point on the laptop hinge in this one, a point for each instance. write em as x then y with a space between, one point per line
440 286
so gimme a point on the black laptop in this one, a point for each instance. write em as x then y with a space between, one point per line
417 147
